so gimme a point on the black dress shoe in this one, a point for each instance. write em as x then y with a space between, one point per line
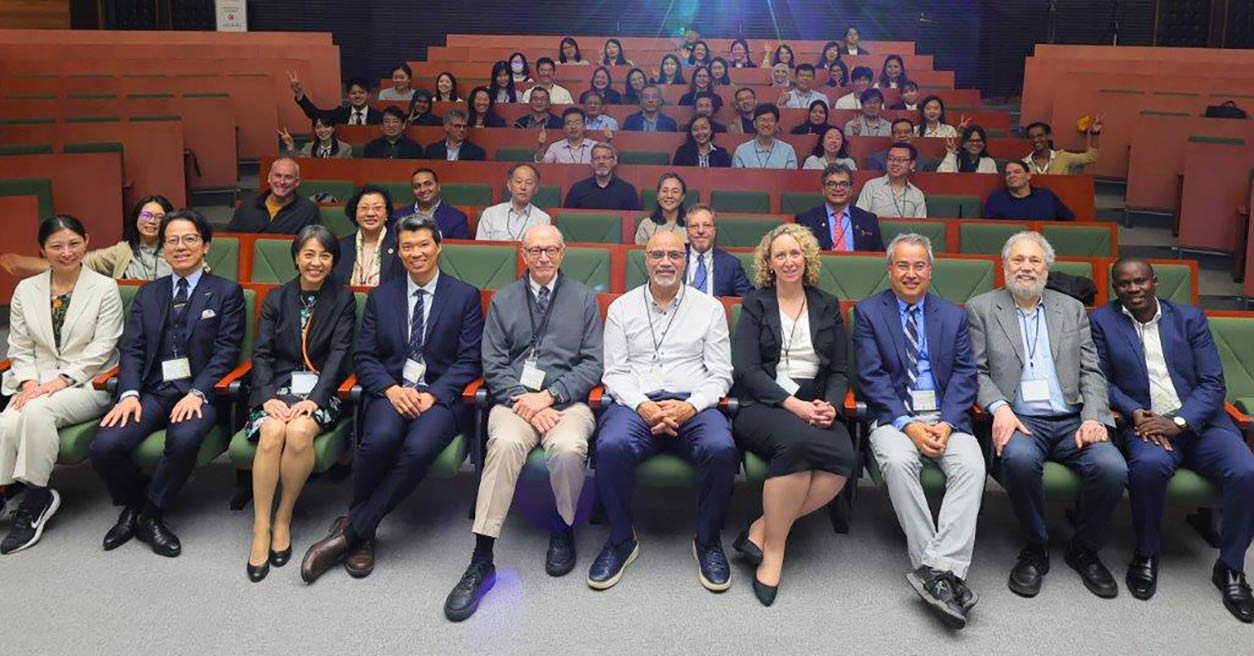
280 558
257 572
765 593
1096 577
559 560
1032 566
157 535
123 530
1237 597
746 548
463 600
1142 576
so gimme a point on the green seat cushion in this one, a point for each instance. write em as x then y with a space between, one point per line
41 188
960 280
1232 337
1060 482
328 446
480 265
272 261
755 466
1083 268
591 227
953 207
591 266
666 470
636 273
741 201
340 190
1081 240
747 263
153 447
337 221
223 258
655 158
515 154
127 292
744 231
547 196
1187 486
933 230
25 149
76 442
1175 283
537 465
450 460
986 238
648 199
401 192
796 202
1244 404
459 193
853 277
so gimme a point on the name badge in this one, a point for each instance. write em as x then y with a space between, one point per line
303 382
923 400
1034 390
176 369
48 376
652 380
414 372
790 386
532 376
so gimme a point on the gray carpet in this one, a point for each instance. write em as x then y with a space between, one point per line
67 596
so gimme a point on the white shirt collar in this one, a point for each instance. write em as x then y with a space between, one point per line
411 286
535 286
1158 314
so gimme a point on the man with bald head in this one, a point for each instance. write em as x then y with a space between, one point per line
541 357
667 364
279 210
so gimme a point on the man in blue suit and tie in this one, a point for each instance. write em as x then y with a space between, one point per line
650 118
917 375
417 350
1167 380
837 224
182 336
710 268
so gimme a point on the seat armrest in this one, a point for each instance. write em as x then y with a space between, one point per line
474 390
349 390
1242 419
596 396
102 381
5 365
231 383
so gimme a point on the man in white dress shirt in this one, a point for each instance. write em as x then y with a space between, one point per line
558 95
509 220
575 148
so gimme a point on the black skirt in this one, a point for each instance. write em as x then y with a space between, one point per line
790 444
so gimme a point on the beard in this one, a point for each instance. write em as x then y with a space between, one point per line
1026 290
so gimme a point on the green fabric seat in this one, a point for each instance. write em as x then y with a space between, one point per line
986 238
592 227
25 149
1175 283
401 192
76 442
359 150
853 277
636 273
515 154
755 468
1077 240
953 207
933 230
796 202
272 261
650 157
337 221
127 292
481 265
340 190
449 462
547 196
1084 269
460 193
1188 486
591 266
750 267
102 147
648 199
744 231
960 280
1232 337
41 188
327 447
223 258
741 201
666 470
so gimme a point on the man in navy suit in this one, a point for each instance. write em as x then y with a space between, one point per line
183 334
454 147
837 224
1166 378
710 268
650 118
417 350
917 375
428 205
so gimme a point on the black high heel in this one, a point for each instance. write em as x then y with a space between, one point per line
258 572
746 548
765 593
280 558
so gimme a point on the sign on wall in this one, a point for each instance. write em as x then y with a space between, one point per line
232 15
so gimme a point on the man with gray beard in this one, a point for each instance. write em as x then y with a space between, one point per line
1040 379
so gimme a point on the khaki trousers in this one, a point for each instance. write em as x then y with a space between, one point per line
29 442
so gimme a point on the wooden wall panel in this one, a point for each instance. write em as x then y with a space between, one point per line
41 14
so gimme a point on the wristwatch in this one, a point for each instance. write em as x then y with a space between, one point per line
557 395
1180 422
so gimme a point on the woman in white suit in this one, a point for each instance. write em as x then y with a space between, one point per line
64 330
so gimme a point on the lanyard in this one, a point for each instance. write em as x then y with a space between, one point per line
1036 337
757 152
537 335
792 333
900 207
304 334
571 150
509 212
648 313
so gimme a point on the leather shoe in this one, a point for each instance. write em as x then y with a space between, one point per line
360 561
712 568
607 570
157 535
765 593
559 560
123 530
325 553
1096 577
747 549
1237 597
280 558
257 572
1032 566
1142 576
463 600
936 588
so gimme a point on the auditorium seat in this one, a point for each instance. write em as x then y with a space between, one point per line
590 227
986 237
953 206
744 231
401 191
223 258
486 266
272 262
459 193
590 266
1076 240
333 217
935 231
340 190
41 188
25 149
741 201
644 157
505 154
547 197
796 202
1232 336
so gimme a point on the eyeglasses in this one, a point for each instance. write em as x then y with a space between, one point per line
187 240
837 184
149 216
666 255
899 160
917 267
536 251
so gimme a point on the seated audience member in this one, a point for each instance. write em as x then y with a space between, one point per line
705 106
830 150
903 132
509 220
603 84
893 196
393 144
699 148
780 55
446 88
701 84
649 118
518 68
745 101
279 209
718 72
558 95
780 77
711 269
612 54
932 119
837 224
917 375
790 372
1044 159
803 94
816 120
568 52
502 88
829 56
137 257
481 110
420 113
400 89
837 75
418 348
851 42
893 75
860 81
52 362
636 82
357 112
699 54
304 345
182 336
574 149
368 257
670 71
540 116
538 370
765 151
604 190
691 37
455 147
595 117
1020 200
739 55
972 157
669 211
1171 395
428 205
869 123
909 97
665 399
324 145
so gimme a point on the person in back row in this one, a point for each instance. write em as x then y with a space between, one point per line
711 269
765 151
357 112
393 144
545 69
508 221
902 132
279 209
893 195
324 145
668 211
574 149
540 116
837 225
455 147
650 118
860 81
802 94
1044 159
1019 200
973 157
428 205
604 190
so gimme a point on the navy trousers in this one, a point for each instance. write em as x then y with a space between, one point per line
1101 467
1220 456
113 450
624 441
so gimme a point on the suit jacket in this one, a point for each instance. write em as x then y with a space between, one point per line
635 123
452 221
469 152
686 155
452 342
278 353
342 113
390 267
997 344
89 334
1193 361
729 274
409 149
880 347
759 337
865 226
214 332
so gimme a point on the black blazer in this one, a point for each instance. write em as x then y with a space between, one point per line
686 155
390 267
758 340
277 352
341 114
409 149
490 121
469 152
865 226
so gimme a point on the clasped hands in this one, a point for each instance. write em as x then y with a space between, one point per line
536 408
930 439
1155 428
409 402
665 417
816 413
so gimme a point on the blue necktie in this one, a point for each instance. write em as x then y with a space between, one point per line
912 349
417 327
699 278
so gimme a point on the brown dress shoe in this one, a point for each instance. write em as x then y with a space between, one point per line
325 553
360 561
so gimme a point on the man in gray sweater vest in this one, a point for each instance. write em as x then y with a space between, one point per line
541 357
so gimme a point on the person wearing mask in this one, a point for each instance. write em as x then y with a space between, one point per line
802 94
454 147
400 90
368 257
393 144
518 69
595 117
837 224
902 132
612 54
428 205
604 190
325 145
574 149
1045 160
279 209
568 52
604 85
909 97
481 110
893 195
669 212
869 123
502 88
893 75
765 151
545 70
739 54
816 122
699 148
852 39
1021 201
711 270
420 113
860 81
831 150
932 119
650 118
509 220
446 88
357 112
540 116
972 157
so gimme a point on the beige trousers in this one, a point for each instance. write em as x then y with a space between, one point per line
29 443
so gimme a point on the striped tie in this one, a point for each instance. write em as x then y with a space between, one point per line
912 349
542 301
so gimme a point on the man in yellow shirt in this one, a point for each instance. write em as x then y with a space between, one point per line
1044 160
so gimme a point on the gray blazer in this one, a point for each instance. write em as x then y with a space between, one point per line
997 344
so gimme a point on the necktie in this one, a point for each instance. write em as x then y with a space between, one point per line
180 301
358 119
542 301
699 278
417 326
912 347
840 237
